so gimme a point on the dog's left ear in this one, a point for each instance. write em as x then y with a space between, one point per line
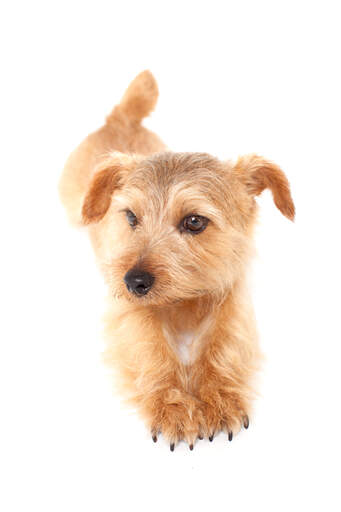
257 174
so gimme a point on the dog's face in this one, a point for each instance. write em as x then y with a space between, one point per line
177 226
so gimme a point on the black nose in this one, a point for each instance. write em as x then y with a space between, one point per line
138 281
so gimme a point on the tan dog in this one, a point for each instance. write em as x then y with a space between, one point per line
173 235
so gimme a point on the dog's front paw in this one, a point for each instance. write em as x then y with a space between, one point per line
223 412
179 421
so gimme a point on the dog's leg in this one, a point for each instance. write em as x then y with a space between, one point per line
152 377
222 375
225 397
165 405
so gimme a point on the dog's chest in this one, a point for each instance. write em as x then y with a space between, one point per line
183 342
187 343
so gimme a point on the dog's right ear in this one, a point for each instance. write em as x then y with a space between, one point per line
108 177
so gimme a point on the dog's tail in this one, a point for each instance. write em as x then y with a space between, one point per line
139 100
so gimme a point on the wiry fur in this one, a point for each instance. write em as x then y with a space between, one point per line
199 297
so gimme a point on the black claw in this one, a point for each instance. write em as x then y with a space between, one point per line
200 437
154 438
191 446
246 422
172 445
211 438
230 435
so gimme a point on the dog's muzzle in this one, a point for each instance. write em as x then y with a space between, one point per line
138 282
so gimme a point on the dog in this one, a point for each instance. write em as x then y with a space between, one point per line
173 236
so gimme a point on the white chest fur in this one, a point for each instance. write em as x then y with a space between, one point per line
184 344
187 343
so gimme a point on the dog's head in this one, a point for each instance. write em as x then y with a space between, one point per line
177 226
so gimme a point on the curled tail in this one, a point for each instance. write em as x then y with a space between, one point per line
139 99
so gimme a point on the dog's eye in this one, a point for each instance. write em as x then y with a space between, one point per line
194 224
131 218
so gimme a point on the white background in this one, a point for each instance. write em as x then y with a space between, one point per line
235 77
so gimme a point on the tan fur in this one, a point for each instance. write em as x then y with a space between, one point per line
200 290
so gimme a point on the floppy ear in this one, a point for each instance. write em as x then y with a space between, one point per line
108 177
257 174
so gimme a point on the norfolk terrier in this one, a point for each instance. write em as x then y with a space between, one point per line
172 233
